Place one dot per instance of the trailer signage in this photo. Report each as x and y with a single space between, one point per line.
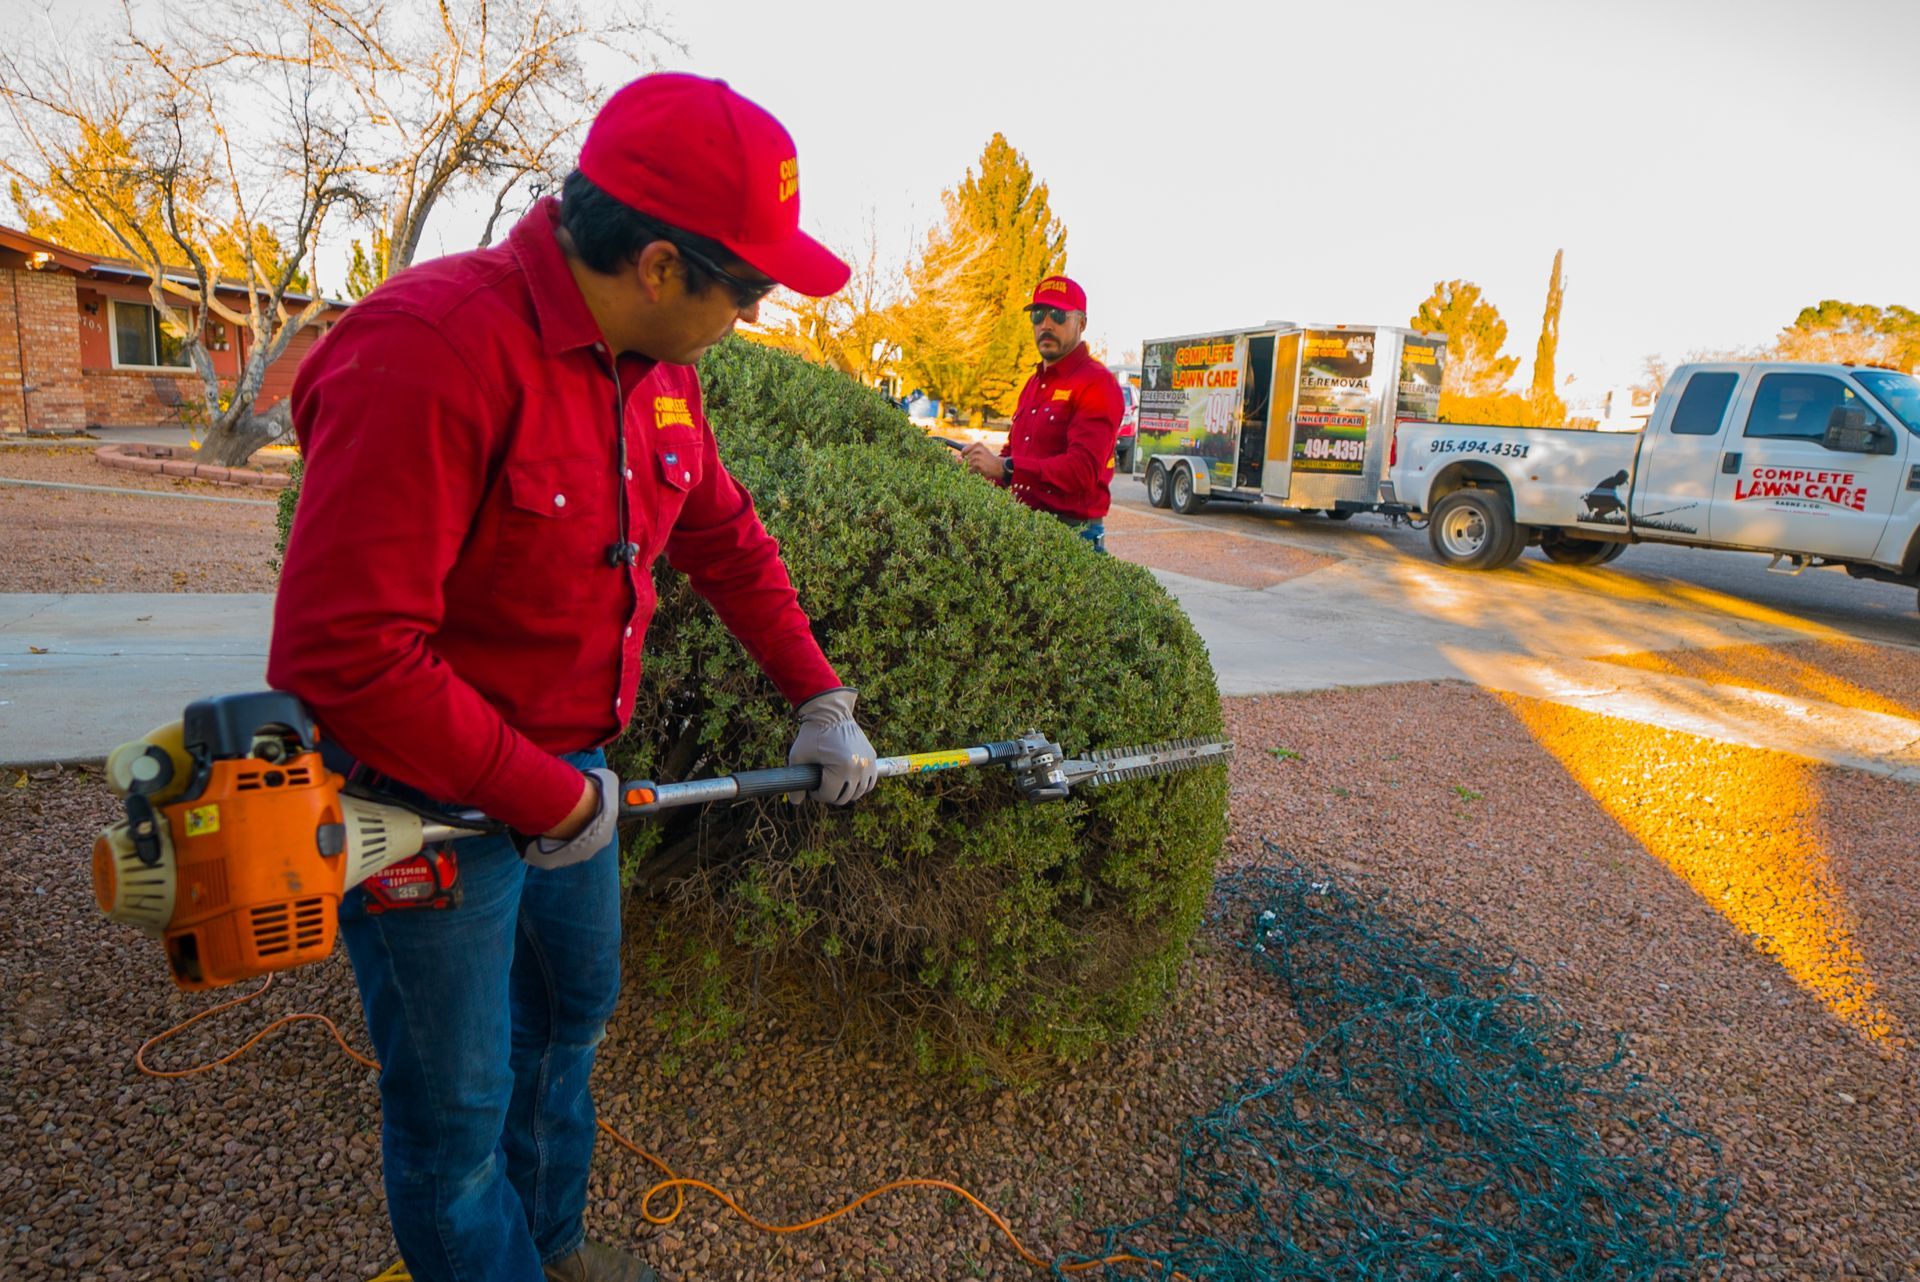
1335 403
1190 398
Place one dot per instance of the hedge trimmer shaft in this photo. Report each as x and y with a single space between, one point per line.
1041 771
239 840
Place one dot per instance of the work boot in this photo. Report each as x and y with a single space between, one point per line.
597 1262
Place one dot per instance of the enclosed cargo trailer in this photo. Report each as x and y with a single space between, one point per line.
1296 415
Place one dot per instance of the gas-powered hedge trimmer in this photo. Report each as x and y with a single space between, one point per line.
239 840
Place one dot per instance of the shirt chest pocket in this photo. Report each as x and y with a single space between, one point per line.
677 460
554 528
1046 424
672 465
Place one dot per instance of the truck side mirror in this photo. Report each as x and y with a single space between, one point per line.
1851 430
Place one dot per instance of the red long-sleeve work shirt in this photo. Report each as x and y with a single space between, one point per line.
1063 434
448 609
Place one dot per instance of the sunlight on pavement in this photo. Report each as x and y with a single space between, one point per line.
1628 588
1462 597
1761 667
1742 827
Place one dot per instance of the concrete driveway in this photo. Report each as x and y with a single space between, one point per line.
1354 603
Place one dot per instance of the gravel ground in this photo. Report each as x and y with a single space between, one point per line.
1611 855
74 541
1215 555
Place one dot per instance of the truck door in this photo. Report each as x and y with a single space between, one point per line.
1782 484
1256 401
1276 474
1680 458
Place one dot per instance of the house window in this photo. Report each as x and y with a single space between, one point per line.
141 338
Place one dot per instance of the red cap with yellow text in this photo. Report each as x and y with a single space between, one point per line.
696 155
1058 291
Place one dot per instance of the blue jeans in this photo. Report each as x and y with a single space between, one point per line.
1093 531
485 1018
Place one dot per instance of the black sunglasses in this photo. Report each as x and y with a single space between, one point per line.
1058 315
745 292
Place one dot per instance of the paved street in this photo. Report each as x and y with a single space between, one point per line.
1826 598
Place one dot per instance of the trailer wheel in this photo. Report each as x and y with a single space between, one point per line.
1474 530
1158 492
1338 514
1185 501
1564 550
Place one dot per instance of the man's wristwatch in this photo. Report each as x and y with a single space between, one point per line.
1006 471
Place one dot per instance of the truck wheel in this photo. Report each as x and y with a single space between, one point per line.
1185 501
1158 492
1474 530
1338 514
1563 550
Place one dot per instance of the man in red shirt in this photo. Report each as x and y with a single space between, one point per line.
498 445
1059 455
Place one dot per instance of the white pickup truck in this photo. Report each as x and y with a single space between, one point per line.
1817 464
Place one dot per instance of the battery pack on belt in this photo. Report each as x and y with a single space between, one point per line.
431 879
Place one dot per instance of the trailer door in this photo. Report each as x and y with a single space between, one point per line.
1256 397
1276 474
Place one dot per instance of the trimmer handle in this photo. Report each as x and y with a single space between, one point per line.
645 797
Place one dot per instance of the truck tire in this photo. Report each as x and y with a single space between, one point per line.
1563 549
1159 493
1474 530
1337 514
1185 501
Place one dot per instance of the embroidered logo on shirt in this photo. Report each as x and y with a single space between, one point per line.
671 411
1064 394
789 177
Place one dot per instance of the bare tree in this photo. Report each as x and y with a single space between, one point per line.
239 116
206 146
462 95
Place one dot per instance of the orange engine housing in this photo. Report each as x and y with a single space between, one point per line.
260 866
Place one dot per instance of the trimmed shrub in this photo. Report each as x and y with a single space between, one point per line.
974 928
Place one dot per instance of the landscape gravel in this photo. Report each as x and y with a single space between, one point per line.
80 541
268 1168
1218 556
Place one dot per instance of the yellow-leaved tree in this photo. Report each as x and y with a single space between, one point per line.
962 333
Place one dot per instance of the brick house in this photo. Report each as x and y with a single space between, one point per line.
81 344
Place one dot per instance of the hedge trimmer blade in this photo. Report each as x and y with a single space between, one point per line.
1144 761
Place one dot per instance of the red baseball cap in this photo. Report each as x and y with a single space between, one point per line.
1056 291
696 155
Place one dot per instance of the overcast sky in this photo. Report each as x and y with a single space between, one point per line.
1709 167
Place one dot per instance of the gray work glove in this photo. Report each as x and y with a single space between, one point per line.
830 738
553 852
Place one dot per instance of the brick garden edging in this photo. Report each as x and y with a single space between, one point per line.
170 460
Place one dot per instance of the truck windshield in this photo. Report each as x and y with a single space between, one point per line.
1900 393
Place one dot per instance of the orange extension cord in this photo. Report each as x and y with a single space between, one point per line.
677 1183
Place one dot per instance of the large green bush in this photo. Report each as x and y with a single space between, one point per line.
971 929
981 929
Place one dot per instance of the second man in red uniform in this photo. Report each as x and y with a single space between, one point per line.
1059 454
